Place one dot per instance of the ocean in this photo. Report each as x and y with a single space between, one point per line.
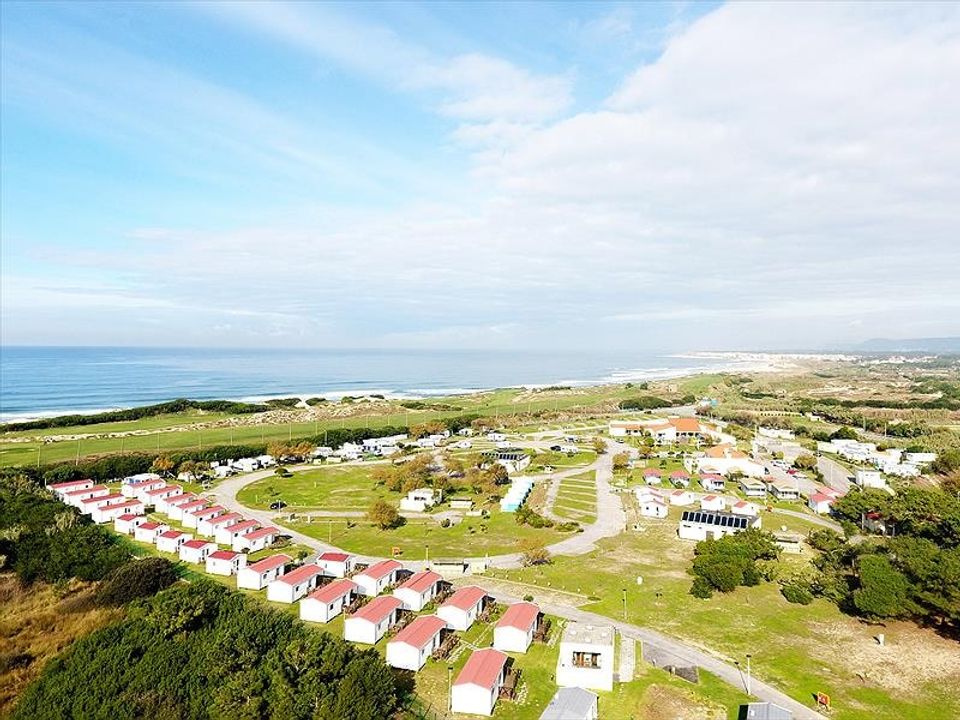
43 381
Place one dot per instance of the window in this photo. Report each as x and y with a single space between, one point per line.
586 660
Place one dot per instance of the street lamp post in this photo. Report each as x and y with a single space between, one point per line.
749 683
450 688
624 603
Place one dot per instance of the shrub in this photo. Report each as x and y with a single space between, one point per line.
797 594
701 588
136 579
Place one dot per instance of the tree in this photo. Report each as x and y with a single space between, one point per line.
383 515
844 433
533 553
621 461
140 578
599 446
805 462
162 465
883 588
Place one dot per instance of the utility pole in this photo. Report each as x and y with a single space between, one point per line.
449 688
624 604
749 683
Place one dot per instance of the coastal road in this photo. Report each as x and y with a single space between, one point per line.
669 650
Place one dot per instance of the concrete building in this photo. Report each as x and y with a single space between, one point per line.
291 586
125 524
410 648
653 507
681 498
171 506
62 488
477 687
378 577
417 590
869 479
515 629
742 507
255 540
572 703
702 524
586 657
463 607
193 518
225 562
371 622
325 603
263 572
226 534
147 532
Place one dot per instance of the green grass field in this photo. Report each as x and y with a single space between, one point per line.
325 488
577 498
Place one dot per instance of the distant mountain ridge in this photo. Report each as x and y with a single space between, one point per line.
941 344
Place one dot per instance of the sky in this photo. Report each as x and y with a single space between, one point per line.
680 176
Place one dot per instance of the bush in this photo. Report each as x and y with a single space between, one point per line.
644 402
137 579
445 523
701 588
797 594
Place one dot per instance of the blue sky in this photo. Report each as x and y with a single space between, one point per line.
668 176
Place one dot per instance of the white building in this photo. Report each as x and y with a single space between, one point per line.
225 562
477 687
713 483
192 519
572 703
133 489
263 572
419 589
462 608
179 512
147 532
869 479
724 460
90 504
291 586
702 524
335 564
325 603
420 499
712 502
681 498
783 490
196 551
410 648
110 513
169 505
514 631
208 526
653 507
226 534
127 523
152 497
586 657
371 622
751 487
256 540
378 577
742 507
820 503
76 497
62 488
171 540
513 459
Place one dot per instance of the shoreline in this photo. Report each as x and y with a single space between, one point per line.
737 361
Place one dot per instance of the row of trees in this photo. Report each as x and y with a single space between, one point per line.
742 559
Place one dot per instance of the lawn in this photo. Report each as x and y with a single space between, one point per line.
327 488
472 537
560 460
577 498
800 649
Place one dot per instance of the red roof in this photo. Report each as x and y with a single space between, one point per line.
127 517
162 490
193 504
820 497
334 557
196 544
381 569
270 563
182 499
521 615
150 526
651 472
128 504
482 669
74 493
68 483
336 589
710 498
685 424
741 503
679 474
418 582
211 509
243 525
466 598
262 532
378 608
223 555
111 496
304 572
171 534
421 631
220 519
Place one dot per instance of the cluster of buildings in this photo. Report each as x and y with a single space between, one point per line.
724 459
513 459
664 432
891 461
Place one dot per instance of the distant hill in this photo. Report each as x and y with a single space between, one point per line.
940 345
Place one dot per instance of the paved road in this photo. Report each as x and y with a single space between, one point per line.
834 474
683 654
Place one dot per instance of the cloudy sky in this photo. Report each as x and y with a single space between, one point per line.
670 176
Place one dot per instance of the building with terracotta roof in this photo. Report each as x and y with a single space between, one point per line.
109 513
477 687
743 507
712 502
179 512
167 505
192 518
138 487
256 540
516 627
171 540
153 496
291 586
419 589
128 522
681 498
258 575
226 534
410 648
713 483
225 562
335 564
325 603
196 551
373 620
147 532
378 577
820 503
726 459
653 507
462 608
208 526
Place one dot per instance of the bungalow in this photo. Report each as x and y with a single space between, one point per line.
151 497
90 504
513 459
586 656
377 578
181 512
653 507
256 540
783 490
572 703
687 428
420 499
192 518
652 476
225 562
820 503
703 524
335 564
681 498
514 631
661 431
226 534
462 608
196 551
419 589
109 513
61 488
133 489
291 586
742 507
326 603
477 687
712 502
680 479
208 527
411 647
125 524
140 476
76 497
171 540
172 505
753 488
713 483
726 459
869 479
147 532
372 621
261 573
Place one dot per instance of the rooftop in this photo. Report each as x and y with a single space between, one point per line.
223 555
521 615
466 597
329 593
482 669
421 581
570 703
421 631
334 557
715 517
261 533
577 632
196 544
378 608
304 572
270 563
381 569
